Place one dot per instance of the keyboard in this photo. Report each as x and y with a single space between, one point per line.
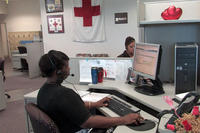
119 107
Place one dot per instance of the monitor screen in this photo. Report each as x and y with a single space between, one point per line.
146 59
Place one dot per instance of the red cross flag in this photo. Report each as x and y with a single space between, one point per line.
88 23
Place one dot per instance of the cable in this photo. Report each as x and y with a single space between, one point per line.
73 87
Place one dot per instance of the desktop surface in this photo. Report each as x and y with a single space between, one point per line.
129 91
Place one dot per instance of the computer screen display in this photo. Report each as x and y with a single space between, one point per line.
146 59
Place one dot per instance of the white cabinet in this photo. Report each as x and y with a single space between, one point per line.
2 93
150 12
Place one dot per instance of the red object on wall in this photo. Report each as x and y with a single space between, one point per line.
87 11
171 13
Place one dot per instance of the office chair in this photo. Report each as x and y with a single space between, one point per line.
22 50
40 121
3 72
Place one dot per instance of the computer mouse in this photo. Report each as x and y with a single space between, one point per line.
138 124
142 126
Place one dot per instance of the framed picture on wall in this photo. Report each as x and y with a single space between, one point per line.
55 24
54 6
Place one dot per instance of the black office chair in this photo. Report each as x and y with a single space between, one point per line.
3 72
22 50
40 121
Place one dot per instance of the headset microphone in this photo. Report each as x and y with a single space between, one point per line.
72 75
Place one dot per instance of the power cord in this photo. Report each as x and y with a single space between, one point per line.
73 87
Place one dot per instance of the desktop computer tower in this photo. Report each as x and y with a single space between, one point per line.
186 63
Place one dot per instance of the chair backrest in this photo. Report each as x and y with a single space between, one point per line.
22 49
2 68
40 121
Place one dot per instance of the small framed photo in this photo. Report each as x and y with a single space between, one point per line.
55 24
132 78
54 6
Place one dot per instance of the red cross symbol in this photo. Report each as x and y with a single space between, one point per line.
87 11
55 24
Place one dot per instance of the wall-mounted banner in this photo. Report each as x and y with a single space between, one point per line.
88 24
121 18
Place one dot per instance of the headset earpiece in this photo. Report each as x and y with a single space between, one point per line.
59 72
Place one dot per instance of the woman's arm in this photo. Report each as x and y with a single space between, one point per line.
106 122
100 103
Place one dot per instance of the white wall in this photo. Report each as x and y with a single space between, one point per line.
23 15
115 33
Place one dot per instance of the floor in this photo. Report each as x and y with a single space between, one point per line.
15 94
12 118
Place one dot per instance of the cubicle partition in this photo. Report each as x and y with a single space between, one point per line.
114 68
34 51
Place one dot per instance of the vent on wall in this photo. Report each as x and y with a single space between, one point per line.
3 7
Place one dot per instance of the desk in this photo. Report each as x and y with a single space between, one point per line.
154 102
128 90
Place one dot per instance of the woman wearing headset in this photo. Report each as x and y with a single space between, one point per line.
66 107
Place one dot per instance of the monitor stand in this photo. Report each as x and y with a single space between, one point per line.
151 90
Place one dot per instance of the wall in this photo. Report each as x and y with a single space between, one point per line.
23 15
115 33
167 35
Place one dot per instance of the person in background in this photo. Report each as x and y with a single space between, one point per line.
65 106
129 45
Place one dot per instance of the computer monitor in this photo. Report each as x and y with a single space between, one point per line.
114 68
147 63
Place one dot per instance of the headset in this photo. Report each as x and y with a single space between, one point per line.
53 66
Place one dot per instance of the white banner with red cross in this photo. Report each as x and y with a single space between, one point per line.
88 24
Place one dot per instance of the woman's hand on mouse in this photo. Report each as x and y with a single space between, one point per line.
132 118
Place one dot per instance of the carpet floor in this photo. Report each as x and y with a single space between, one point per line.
12 119
22 82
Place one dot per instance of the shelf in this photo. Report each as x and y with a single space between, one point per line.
143 23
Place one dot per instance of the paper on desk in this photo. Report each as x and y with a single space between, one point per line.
94 97
182 95
83 93
122 69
